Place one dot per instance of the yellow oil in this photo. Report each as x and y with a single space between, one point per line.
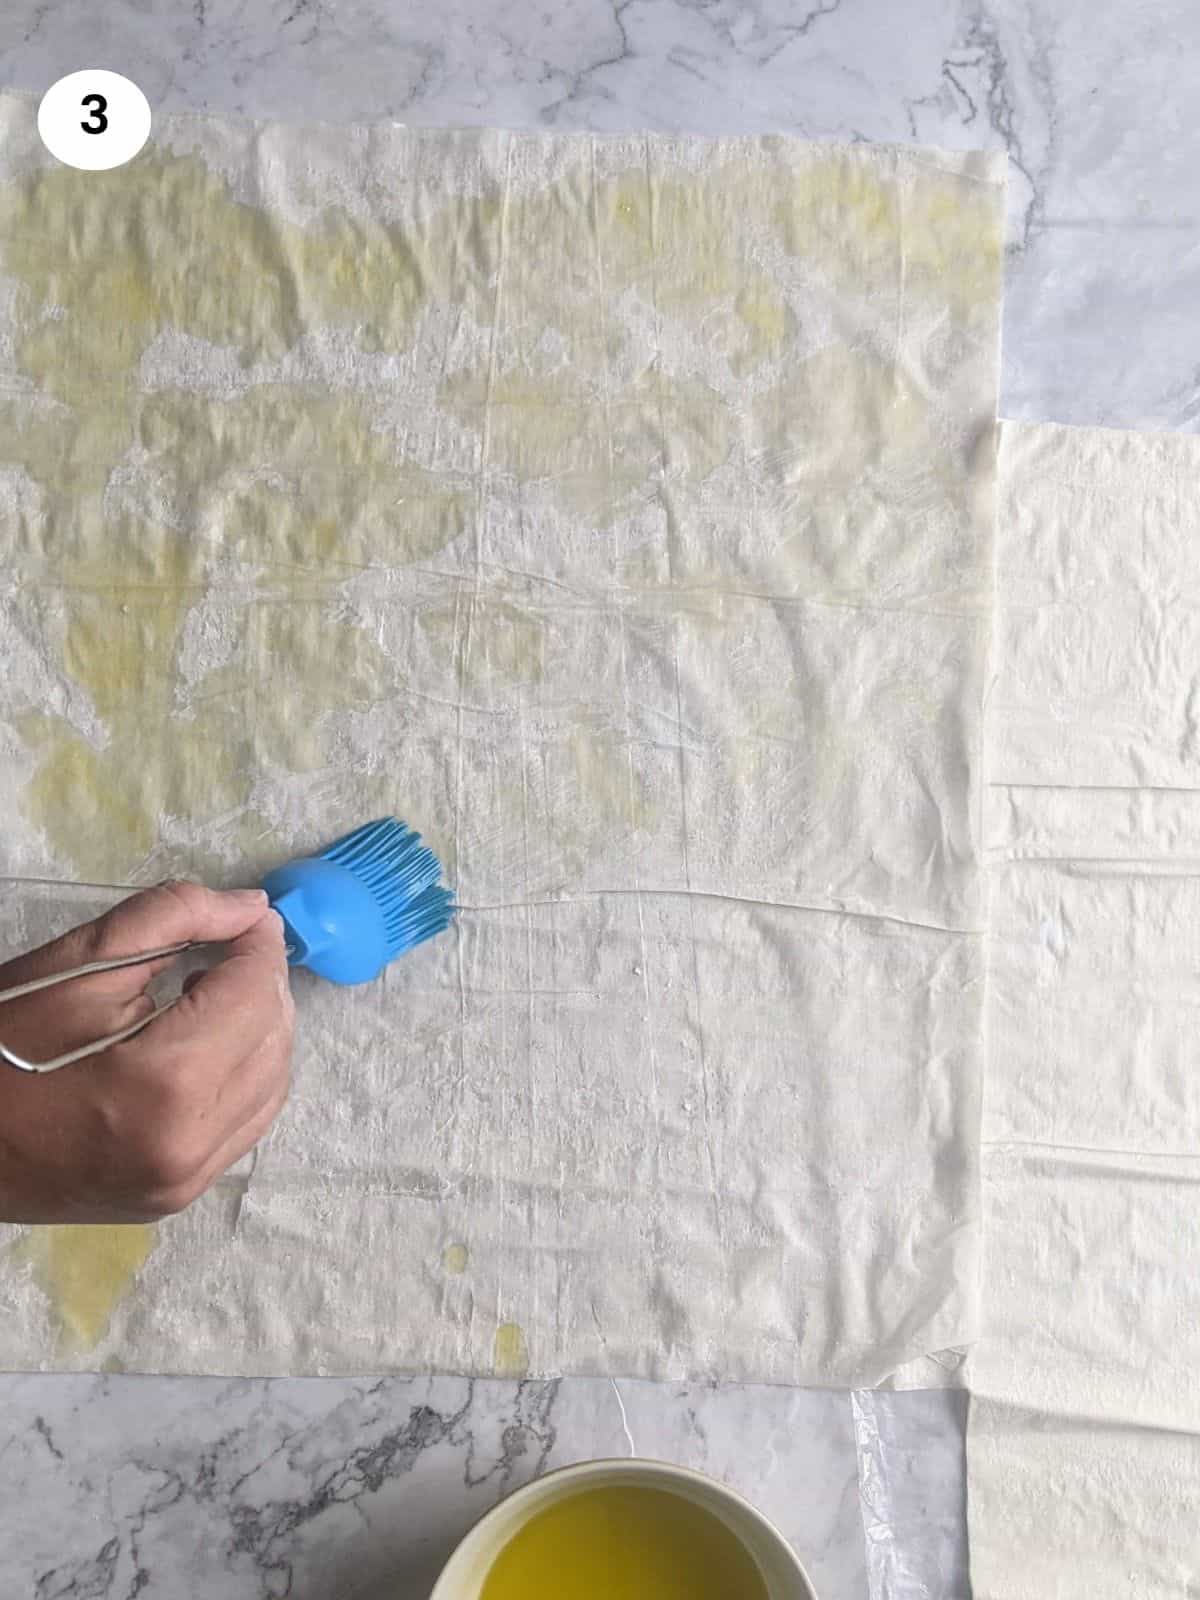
86 1270
624 1544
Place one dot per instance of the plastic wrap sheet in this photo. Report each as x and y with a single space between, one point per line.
1084 1437
910 1486
619 512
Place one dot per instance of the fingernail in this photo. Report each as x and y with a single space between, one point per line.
256 897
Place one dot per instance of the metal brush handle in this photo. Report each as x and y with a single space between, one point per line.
85 971
346 913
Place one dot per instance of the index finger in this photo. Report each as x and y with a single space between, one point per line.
229 1010
179 913
173 913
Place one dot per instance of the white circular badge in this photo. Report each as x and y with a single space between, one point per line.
94 120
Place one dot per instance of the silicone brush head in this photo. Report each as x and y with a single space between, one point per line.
361 903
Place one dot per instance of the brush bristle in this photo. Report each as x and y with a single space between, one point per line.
402 874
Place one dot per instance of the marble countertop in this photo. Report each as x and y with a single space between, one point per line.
326 1488
116 1487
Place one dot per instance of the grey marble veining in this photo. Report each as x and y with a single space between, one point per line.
122 1487
324 1488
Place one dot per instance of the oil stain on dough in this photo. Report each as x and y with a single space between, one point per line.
454 1259
293 481
128 258
553 425
851 221
85 1271
505 644
510 1355
142 492
586 406
566 806
102 807
149 497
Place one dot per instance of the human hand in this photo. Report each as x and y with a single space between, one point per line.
144 1128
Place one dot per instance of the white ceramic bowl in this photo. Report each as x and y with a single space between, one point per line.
462 1577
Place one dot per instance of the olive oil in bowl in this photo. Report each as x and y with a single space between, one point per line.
618 1542
624 1530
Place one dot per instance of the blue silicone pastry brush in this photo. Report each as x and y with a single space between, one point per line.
346 913
361 903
